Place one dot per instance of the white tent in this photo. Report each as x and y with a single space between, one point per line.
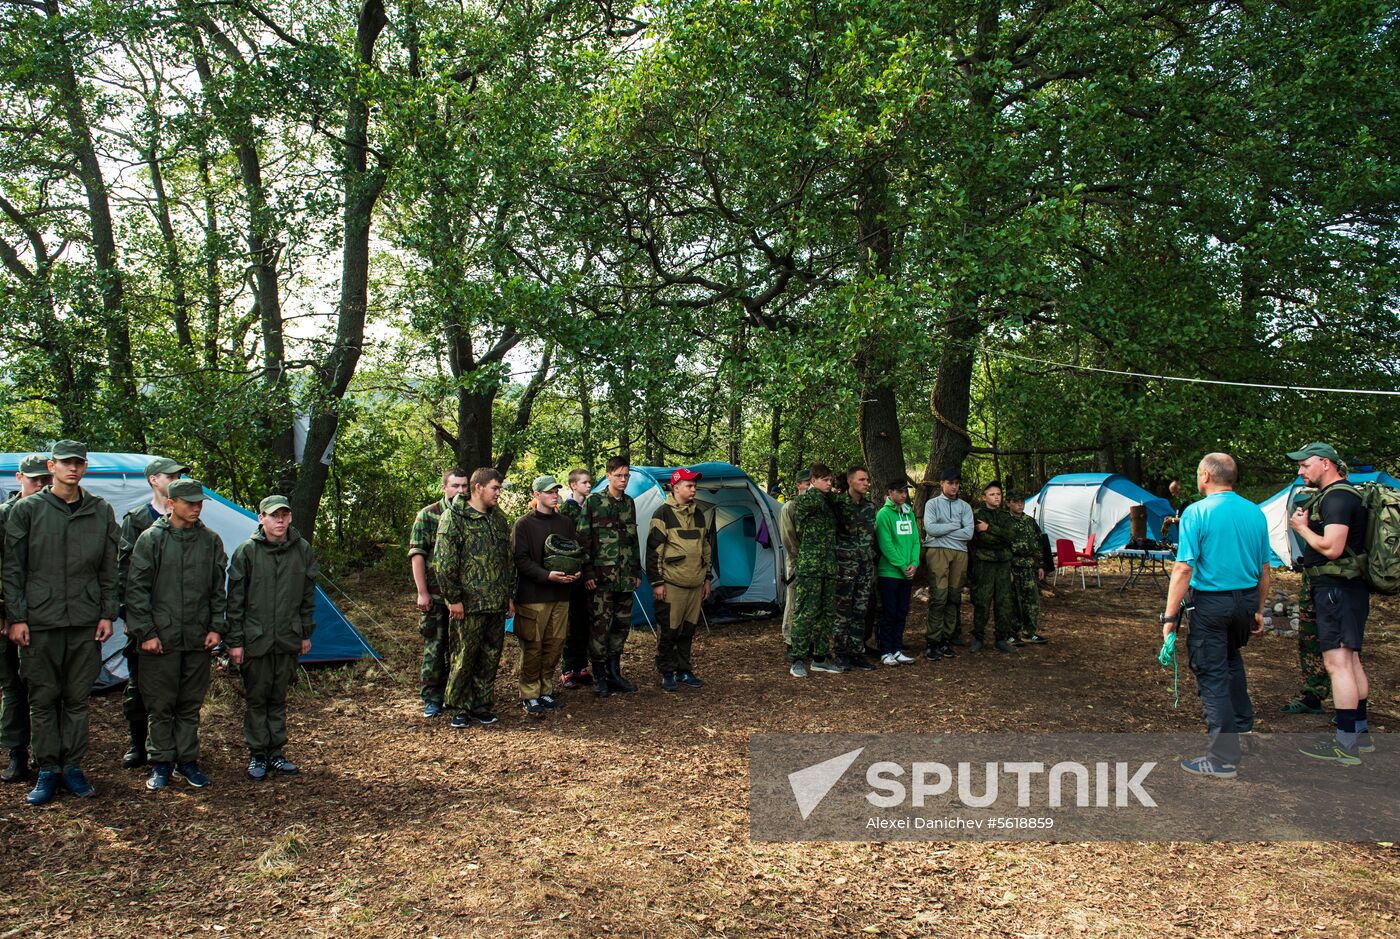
1276 510
1074 506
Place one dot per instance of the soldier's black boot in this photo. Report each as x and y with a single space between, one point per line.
615 675
136 754
600 680
18 768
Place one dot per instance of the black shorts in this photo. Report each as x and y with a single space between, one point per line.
1341 611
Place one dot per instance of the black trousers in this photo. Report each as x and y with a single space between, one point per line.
1220 622
580 625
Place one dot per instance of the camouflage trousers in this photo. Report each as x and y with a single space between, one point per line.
14 699
432 674
991 587
611 613
1025 598
854 585
813 616
476 642
1316 683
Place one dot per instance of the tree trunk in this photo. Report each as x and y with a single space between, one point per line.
585 405
213 295
775 440
523 411
361 188
881 439
174 271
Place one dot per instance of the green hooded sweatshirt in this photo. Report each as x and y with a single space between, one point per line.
60 565
271 594
175 586
896 539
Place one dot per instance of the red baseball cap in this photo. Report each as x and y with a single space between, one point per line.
683 474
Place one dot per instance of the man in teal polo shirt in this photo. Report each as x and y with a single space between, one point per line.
1223 556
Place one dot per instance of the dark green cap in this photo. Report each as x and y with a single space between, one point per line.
545 484
272 504
69 450
34 465
1014 496
1316 448
804 475
191 490
163 464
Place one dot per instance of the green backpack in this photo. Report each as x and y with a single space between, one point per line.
561 554
1379 564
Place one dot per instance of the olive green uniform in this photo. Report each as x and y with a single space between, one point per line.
432 625
134 524
680 552
271 610
1026 560
14 697
990 554
607 529
475 568
60 578
175 593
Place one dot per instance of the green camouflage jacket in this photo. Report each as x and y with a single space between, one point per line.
423 538
475 565
60 566
855 536
815 514
570 509
994 544
271 594
607 528
1025 543
175 586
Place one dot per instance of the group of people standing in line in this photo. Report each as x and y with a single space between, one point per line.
70 571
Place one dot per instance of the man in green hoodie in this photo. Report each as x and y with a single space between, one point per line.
33 475
271 615
175 604
897 540
160 473
476 571
61 598
680 552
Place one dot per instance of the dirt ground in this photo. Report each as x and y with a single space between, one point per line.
628 817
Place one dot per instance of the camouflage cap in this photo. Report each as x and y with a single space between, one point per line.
804 475
34 465
163 464
1013 496
545 484
190 490
272 504
69 450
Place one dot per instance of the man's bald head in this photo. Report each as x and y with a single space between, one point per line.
1220 468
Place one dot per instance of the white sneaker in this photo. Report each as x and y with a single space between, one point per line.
904 659
889 659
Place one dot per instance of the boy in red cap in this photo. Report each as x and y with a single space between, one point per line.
680 553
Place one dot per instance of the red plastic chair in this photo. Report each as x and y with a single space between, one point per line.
1067 558
1088 551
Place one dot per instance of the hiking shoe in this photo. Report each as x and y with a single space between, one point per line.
77 783
827 665
947 651
1004 645
549 701
798 669
462 720
257 768
690 678
45 788
668 681
532 707
1036 638
889 659
1330 748
1205 766
1299 706
903 659
860 663
484 717
976 646
159 778
1364 743
134 756
190 773
432 708
18 768
282 765
933 653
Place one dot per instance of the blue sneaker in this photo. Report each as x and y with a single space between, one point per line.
190 773
282 765
432 708
1205 766
159 778
77 783
45 788
257 768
